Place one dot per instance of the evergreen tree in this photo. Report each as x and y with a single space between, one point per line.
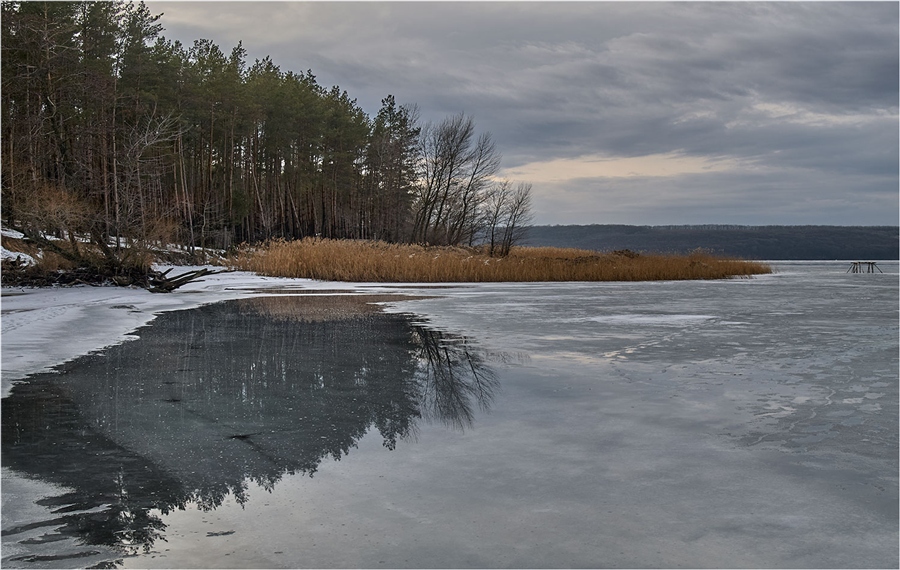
139 139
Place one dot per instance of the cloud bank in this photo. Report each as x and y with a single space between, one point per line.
621 112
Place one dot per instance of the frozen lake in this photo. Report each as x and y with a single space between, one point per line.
741 423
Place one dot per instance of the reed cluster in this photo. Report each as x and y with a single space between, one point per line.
373 261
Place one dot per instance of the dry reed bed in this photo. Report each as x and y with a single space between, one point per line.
368 261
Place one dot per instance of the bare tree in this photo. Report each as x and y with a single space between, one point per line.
140 166
483 163
518 216
455 175
493 215
506 216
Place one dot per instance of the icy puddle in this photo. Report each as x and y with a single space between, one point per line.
748 423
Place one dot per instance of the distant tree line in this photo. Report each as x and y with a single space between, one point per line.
749 242
109 128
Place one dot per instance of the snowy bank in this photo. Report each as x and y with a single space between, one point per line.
16 256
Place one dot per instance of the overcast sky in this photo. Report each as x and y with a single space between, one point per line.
621 112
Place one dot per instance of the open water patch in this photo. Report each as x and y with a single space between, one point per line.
210 400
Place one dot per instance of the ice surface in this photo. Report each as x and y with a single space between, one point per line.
659 319
740 423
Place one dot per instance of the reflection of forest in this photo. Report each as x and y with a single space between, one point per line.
210 398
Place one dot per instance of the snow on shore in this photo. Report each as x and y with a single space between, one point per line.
16 256
44 327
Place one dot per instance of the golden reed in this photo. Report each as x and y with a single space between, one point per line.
373 261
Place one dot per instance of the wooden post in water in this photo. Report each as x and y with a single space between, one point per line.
864 267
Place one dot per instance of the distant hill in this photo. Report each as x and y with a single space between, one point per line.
748 242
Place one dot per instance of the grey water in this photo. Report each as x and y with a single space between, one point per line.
737 423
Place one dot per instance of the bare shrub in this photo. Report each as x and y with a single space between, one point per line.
55 210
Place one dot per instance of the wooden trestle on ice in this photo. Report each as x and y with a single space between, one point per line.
864 267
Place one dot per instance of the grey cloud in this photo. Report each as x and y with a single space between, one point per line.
557 80
769 196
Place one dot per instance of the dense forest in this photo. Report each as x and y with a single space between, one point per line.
111 130
748 242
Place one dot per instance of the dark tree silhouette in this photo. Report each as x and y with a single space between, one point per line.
112 132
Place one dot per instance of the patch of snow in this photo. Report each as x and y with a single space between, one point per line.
11 233
13 255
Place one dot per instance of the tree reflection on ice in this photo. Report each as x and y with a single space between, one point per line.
210 398
447 383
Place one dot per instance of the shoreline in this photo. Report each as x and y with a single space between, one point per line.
45 327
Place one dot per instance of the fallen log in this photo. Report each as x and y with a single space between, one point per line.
160 282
